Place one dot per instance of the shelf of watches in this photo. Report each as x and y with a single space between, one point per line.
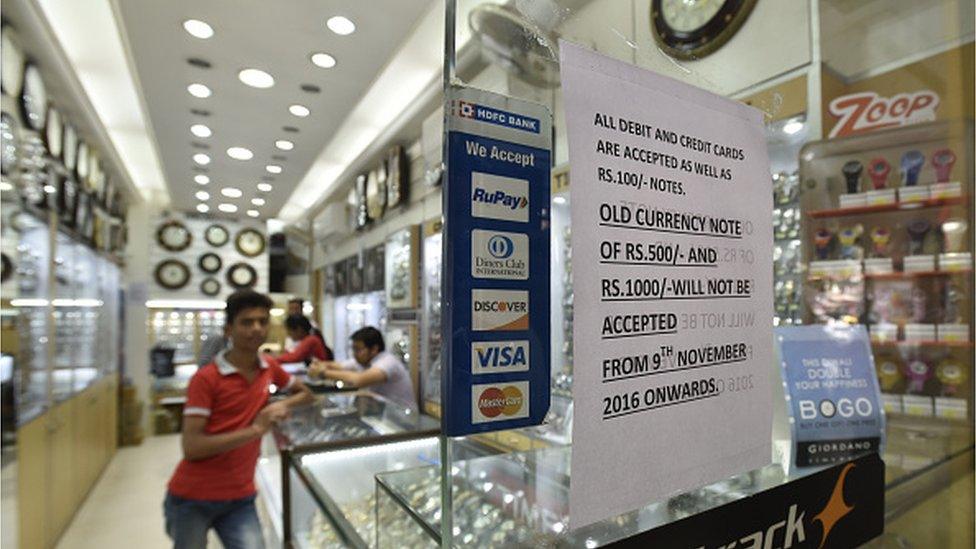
948 334
863 204
914 266
914 405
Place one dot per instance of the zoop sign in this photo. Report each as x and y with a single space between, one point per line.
867 111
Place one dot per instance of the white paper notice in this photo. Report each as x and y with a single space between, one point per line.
672 246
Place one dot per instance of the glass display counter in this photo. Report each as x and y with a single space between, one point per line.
334 422
522 499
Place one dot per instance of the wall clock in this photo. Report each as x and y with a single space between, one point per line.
174 236
692 29
11 65
54 132
70 146
216 235
210 263
250 242
210 286
172 274
376 193
241 276
33 100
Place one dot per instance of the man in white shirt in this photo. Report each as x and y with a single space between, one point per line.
372 367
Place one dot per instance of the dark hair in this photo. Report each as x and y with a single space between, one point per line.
370 337
298 300
245 299
298 322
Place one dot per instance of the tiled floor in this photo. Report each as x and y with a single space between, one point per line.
125 507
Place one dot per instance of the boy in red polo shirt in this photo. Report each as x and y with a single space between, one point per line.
225 416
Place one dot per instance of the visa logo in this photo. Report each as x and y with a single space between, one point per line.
500 197
492 357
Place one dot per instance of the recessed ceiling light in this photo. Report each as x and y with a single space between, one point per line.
341 25
229 208
240 153
200 130
299 110
324 60
202 195
253 213
201 179
257 201
199 90
199 29
201 159
272 168
203 208
231 192
256 78
50 189
284 144
265 187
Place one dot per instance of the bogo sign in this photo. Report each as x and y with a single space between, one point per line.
867 111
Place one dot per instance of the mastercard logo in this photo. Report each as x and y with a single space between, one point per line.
494 402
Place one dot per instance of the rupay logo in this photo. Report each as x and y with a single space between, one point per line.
499 197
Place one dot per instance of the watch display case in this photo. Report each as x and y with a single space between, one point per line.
185 331
887 217
402 268
373 268
430 365
333 423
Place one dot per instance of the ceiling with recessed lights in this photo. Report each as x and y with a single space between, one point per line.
242 95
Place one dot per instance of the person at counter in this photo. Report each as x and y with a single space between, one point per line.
295 307
225 416
310 344
373 367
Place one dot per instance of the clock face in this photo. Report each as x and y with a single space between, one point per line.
11 64
691 29
34 98
81 166
53 134
250 243
172 274
216 235
242 275
210 286
376 193
70 146
210 263
174 236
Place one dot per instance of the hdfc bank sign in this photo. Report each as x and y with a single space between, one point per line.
491 402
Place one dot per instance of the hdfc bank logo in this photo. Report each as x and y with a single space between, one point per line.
466 109
499 402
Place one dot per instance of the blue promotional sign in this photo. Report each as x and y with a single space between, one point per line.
495 313
832 393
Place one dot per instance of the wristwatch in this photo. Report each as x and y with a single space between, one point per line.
821 242
852 174
880 237
911 165
917 372
878 170
951 375
916 233
942 161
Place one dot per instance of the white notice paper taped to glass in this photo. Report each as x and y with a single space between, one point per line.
672 245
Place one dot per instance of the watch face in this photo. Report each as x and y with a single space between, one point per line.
81 166
53 133
10 143
376 193
250 242
691 29
210 286
172 274
11 64
210 263
216 235
174 236
33 100
70 148
242 275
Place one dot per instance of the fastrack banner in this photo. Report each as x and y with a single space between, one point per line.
672 245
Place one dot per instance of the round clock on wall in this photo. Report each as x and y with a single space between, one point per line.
54 132
241 276
250 242
33 99
174 236
210 286
210 263
216 235
172 274
11 65
692 29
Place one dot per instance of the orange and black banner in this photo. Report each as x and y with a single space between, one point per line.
842 506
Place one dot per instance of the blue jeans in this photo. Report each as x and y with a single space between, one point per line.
236 522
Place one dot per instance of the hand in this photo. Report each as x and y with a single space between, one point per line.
317 368
278 410
263 422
